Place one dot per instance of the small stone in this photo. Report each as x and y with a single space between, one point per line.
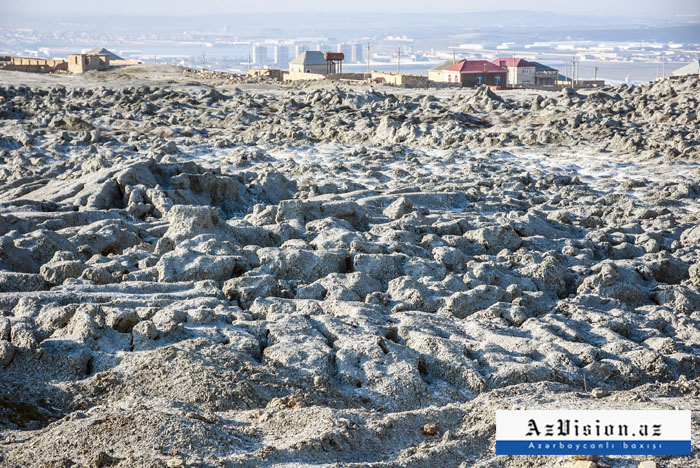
431 429
599 392
584 464
175 463
647 464
101 459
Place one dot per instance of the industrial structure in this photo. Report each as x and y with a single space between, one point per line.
334 62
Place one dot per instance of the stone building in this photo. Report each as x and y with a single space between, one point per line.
33 65
309 61
80 63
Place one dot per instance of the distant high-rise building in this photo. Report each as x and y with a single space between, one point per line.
345 49
281 55
298 49
259 54
355 53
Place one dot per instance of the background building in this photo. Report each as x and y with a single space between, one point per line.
281 55
345 49
355 53
259 56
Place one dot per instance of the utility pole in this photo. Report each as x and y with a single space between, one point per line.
595 74
368 55
249 59
664 68
454 57
573 72
398 63
202 61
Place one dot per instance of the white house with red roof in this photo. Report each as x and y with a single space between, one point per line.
475 73
520 71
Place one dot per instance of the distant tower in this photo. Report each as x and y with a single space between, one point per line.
281 55
259 54
298 49
356 53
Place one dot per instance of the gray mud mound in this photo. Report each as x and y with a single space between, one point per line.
344 276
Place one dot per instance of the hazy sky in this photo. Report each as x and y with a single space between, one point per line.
636 8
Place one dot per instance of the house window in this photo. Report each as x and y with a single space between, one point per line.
503 63
308 71
497 80
480 79
449 78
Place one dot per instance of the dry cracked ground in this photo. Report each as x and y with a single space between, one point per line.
198 275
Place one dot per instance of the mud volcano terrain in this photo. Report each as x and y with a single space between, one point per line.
203 276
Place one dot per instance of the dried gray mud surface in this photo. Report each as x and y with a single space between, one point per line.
202 276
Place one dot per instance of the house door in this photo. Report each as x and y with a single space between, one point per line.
497 80
480 79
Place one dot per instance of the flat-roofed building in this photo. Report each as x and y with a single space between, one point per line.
80 63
